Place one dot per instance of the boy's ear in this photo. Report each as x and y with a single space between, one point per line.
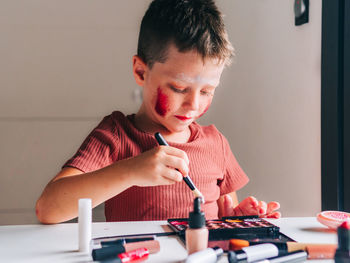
139 69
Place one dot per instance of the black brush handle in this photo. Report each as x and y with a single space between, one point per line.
161 141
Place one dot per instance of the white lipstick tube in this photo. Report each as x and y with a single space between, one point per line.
85 222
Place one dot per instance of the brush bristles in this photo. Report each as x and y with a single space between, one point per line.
196 193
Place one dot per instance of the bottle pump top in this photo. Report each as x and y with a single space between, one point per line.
196 217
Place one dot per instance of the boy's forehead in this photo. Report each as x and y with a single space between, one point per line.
183 78
189 68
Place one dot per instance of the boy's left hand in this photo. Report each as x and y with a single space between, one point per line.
251 206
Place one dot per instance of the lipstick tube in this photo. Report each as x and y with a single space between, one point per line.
253 253
292 257
137 255
113 251
104 242
342 255
314 251
209 255
85 224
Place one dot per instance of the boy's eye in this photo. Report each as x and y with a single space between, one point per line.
207 93
177 90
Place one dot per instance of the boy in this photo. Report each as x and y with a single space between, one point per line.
182 50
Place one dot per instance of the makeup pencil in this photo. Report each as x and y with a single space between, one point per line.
314 251
187 178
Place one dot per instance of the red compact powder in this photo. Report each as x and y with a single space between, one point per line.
162 103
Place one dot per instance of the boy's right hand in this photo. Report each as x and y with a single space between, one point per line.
162 165
251 206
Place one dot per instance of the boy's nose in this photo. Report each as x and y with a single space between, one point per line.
192 101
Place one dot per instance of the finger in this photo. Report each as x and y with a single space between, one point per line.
262 208
275 215
228 206
272 206
164 181
176 163
249 206
172 175
250 201
176 152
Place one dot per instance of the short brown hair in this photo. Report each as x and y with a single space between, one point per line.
189 24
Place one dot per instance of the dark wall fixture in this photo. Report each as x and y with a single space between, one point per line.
301 12
335 105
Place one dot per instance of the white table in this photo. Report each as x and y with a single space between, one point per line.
59 243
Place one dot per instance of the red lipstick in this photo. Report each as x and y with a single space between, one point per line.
183 118
137 255
342 255
141 249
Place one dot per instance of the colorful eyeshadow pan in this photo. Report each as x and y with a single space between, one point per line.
254 223
222 230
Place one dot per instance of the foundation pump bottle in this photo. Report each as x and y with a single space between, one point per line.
196 233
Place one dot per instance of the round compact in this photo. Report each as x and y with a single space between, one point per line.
332 219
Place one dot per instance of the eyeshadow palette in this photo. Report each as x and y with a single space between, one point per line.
250 228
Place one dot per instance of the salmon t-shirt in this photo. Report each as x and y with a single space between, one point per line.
213 169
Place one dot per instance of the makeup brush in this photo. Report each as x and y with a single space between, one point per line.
314 251
187 178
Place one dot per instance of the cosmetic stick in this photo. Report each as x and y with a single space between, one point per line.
161 141
253 253
84 222
123 241
314 251
292 257
209 255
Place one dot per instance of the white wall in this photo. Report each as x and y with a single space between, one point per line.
270 102
66 64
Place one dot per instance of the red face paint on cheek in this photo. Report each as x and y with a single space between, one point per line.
206 109
162 103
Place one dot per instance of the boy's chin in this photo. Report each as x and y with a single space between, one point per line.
178 128
174 125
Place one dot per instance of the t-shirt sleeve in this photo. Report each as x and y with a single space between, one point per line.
97 149
234 177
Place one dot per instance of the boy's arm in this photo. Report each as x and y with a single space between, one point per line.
59 200
229 206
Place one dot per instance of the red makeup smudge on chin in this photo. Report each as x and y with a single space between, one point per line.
206 109
162 103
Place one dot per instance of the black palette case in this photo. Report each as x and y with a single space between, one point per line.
251 228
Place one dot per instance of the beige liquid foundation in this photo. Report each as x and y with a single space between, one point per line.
196 233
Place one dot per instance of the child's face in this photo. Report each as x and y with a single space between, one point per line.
179 91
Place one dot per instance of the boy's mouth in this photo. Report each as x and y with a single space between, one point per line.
183 118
